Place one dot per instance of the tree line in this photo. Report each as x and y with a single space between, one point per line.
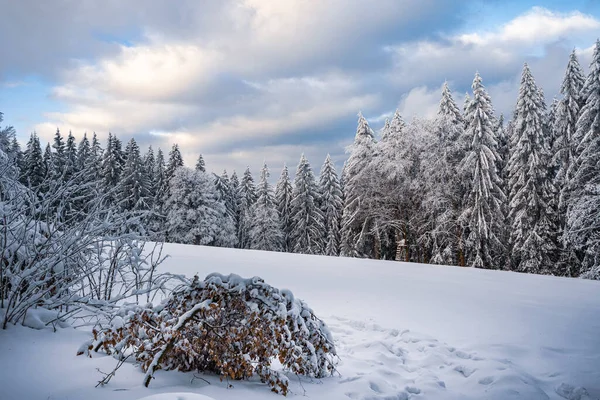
464 188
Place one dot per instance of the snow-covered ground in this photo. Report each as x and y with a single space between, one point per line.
403 331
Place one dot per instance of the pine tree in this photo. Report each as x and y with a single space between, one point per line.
47 160
283 198
194 213
70 157
531 194
84 151
307 219
135 183
94 162
156 223
200 165
483 207
111 169
448 189
175 161
226 195
16 154
246 199
34 170
565 127
58 157
234 184
265 230
583 225
149 162
332 205
160 179
354 235
503 153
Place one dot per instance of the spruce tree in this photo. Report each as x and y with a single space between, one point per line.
226 195
448 189
565 127
70 157
246 199
533 232
582 224
135 183
175 161
16 154
34 171
149 162
354 239
200 165
58 157
47 160
307 219
330 193
283 198
84 151
265 230
111 164
160 178
483 207
94 162
234 183
195 215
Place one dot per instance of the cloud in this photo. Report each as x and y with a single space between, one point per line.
536 26
420 102
229 78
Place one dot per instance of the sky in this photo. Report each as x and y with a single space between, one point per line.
247 81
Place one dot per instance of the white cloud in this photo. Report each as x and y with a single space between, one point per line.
535 27
272 69
421 102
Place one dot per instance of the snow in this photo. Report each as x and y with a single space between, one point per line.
177 396
402 331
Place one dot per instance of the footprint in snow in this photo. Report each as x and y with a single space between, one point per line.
486 381
464 371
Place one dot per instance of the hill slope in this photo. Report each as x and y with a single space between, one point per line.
402 330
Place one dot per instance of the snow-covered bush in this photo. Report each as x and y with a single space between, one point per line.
227 325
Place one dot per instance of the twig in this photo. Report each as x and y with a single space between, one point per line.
107 377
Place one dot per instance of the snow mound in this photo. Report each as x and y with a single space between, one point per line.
177 396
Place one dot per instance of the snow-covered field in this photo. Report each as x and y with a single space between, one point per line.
403 331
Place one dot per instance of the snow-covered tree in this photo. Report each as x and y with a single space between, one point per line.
195 215
446 193
200 164
332 205
84 151
47 160
93 165
112 167
483 212
283 198
234 184
34 171
226 195
582 232
307 219
149 162
355 231
565 127
135 183
175 161
246 199
265 230
532 228
58 156
70 157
